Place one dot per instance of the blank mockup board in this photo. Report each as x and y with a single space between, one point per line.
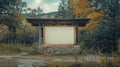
59 35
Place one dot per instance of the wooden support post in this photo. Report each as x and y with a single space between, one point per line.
40 35
77 33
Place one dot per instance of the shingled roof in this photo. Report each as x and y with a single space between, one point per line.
37 21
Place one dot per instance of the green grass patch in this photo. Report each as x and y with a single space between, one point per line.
14 49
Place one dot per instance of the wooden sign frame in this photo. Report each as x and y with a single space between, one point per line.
75 28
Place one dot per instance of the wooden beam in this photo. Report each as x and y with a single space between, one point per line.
48 45
40 35
36 21
43 34
75 35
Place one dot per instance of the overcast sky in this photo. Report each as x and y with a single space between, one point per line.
46 5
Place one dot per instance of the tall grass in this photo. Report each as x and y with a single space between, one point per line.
13 48
103 61
9 63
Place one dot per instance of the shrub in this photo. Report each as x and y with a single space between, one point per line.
26 35
105 38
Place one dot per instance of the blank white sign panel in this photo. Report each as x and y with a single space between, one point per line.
59 35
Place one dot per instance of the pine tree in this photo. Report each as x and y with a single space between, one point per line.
107 34
64 9
83 9
10 14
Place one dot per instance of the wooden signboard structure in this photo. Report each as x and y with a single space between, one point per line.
58 32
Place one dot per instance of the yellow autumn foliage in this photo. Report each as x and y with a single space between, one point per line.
3 30
90 26
27 27
82 9
95 15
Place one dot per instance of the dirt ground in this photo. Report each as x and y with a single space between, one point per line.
40 61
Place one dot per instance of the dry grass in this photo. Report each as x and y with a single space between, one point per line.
104 61
85 64
14 49
119 48
9 63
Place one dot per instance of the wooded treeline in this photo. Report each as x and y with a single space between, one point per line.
14 27
102 33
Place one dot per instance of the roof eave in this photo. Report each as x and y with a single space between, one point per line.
37 21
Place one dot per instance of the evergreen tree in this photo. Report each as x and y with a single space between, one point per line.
10 14
107 34
10 6
64 9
